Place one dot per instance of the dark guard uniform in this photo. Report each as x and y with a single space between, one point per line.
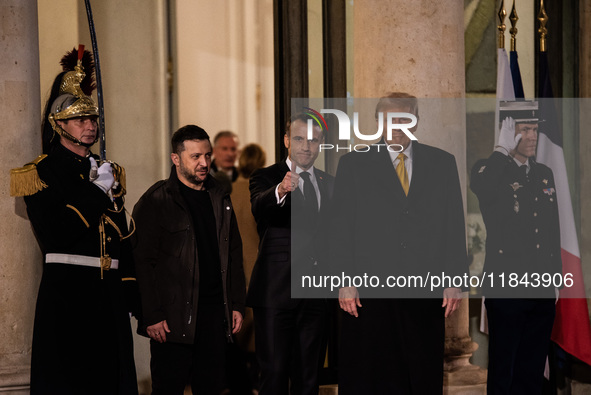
521 216
523 238
82 339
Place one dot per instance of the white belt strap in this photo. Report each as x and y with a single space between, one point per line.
80 260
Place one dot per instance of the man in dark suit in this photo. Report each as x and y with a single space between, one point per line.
287 200
518 202
225 152
397 212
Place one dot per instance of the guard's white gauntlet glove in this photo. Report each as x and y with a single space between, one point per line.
105 178
507 138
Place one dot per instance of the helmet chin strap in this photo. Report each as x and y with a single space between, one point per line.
73 139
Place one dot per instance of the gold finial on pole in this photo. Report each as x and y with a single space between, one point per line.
514 18
502 14
543 18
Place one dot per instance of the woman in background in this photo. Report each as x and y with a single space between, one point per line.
251 158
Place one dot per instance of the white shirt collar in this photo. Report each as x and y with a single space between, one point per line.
408 152
299 169
519 164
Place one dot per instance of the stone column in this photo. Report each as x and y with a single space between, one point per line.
418 47
20 142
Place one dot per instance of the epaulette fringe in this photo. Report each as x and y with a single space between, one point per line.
120 177
25 181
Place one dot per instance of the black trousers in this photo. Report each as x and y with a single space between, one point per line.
289 347
395 346
519 341
202 364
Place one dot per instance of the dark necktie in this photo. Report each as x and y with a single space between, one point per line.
523 169
311 201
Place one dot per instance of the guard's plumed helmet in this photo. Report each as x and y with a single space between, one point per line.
75 88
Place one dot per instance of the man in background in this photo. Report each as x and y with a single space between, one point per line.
225 152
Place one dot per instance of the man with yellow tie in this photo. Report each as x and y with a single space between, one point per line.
397 212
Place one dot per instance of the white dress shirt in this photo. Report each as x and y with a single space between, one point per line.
407 161
281 201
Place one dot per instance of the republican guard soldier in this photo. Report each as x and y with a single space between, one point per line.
517 199
82 339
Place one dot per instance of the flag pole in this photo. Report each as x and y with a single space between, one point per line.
543 18
514 18
502 14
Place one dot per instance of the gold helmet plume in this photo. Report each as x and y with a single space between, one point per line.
73 101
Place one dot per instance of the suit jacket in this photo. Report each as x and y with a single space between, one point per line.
521 218
379 231
284 244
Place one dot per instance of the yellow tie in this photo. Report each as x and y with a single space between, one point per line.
401 171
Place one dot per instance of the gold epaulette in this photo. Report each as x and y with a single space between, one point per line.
25 181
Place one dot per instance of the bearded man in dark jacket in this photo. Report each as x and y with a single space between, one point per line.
188 255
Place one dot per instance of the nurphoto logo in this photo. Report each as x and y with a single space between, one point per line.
402 121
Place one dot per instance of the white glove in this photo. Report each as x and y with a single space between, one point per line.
105 178
507 138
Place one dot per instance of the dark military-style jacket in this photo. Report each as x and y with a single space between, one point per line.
67 214
82 324
520 212
167 259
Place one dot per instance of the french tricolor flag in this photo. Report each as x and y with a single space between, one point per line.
505 89
572 331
